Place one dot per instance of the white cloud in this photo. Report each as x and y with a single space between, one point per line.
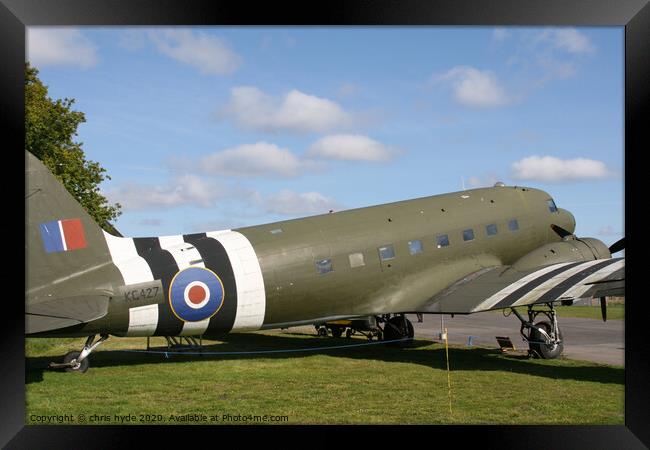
567 39
181 190
350 147
60 47
288 202
555 69
552 169
473 87
209 54
250 108
256 159
482 181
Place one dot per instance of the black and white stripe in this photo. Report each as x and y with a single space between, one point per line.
558 281
227 253
163 267
216 259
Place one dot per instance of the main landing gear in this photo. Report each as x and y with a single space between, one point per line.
78 361
397 328
544 337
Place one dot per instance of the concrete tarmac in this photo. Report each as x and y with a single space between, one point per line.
584 339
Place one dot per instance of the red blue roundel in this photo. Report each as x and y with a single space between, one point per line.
195 294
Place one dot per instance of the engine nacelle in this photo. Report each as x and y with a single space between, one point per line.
571 249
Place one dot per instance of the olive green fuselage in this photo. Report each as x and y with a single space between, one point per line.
307 268
297 292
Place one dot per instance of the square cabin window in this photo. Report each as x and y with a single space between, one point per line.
442 241
415 247
491 229
356 260
386 252
468 235
513 225
324 265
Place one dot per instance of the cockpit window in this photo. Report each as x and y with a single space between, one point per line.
551 205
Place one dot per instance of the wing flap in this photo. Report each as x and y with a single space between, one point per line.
503 287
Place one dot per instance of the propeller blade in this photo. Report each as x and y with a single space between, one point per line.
603 308
617 246
561 231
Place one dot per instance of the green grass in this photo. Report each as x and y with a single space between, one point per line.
614 311
362 385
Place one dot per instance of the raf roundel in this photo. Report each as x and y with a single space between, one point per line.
195 294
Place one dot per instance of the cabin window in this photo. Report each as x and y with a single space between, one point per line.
324 265
442 240
415 247
551 205
513 225
356 260
491 229
468 235
386 252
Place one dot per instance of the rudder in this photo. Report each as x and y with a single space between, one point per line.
66 251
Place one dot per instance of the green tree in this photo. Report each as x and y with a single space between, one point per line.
50 128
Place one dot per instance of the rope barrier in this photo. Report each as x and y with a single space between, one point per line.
295 350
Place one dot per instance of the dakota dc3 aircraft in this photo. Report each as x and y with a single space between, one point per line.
459 253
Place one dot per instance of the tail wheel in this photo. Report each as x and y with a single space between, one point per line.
543 350
81 367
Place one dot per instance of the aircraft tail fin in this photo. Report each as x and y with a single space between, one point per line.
66 250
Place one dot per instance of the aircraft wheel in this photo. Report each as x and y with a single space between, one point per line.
545 351
395 329
81 367
337 332
322 332
348 333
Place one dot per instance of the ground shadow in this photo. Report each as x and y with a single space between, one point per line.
295 345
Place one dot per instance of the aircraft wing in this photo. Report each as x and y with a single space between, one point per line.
500 287
61 312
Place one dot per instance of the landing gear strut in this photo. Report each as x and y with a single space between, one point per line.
78 361
397 327
544 338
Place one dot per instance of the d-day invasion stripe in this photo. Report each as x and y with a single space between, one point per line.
184 254
574 280
143 320
251 296
216 259
540 291
163 267
603 274
508 290
525 289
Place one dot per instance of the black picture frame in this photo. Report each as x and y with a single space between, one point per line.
15 15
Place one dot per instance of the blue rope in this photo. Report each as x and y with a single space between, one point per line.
167 353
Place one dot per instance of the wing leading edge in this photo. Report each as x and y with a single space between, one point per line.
502 287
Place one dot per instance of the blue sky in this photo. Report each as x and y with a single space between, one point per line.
206 128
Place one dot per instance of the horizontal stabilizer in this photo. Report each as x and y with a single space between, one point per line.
64 312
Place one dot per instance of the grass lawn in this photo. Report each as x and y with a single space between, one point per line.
373 384
614 311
